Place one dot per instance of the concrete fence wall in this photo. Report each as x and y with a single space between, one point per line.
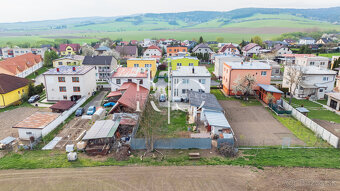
54 124
173 143
317 129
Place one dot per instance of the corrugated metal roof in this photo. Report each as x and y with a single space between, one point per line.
216 118
7 140
102 129
270 88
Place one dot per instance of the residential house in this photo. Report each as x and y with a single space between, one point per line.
265 90
22 65
12 89
103 65
149 64
69 49
337 85
183 61
134 42
220 60
276 51
36 125
287 59
130 74
101 50
153 51
276 69
334 58
70 82
173 50
1 56
229 49
307 41
234 71
313 82
324 41
318 61
251 49
185 78
16 51
289 41
70 60
127 52
333 101
202 49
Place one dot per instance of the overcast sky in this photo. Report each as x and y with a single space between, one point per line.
33 10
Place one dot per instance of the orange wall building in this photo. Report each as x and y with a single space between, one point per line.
269 89
173 50
237 70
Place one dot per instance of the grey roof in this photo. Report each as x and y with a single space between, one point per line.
270 88
302 110
181 57
103 48
97 60
210 102
102 129
194 71
202 45
307 38
127 50
68 70
7 140
249 65
216 118
52 143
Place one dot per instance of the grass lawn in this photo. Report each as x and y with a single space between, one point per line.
220 96
37 73
316 110
324 101
301 131
25 104
317 158
329 55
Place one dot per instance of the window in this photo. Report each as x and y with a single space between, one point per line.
129 80
200 90
202 81
60 63
184 91
61 79
23 91
185 81
325 78
176 92
320 90
303 78
191 64
141 81
263 73
136 65
75 79
64 97
322 63
76 89
62 89
117 81
179 64
312 63
18 92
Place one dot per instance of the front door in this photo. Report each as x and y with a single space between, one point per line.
333 104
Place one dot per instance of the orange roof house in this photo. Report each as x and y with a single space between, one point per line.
22 65
233 71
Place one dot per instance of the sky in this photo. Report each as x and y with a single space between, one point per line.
36 10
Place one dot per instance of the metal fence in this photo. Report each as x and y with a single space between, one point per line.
173 143
317 129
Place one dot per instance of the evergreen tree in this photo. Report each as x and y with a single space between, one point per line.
201 40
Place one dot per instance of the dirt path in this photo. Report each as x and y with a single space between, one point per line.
171 178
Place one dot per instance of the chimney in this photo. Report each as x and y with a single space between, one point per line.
57 69
73 68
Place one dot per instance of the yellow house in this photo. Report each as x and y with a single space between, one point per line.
183 61
69 49
147 63
12 89
74 60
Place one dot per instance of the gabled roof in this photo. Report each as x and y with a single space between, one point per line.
154 47
37 120
249 46
225 47
134 95
202 45
132 72
75 47
63 105
97 60
9 83
20 63
127 50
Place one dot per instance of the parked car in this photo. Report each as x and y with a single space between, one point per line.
79 111
162 98
91 110
109 104
33 99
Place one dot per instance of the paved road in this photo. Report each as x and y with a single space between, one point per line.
171 178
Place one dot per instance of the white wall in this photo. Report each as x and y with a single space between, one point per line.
193 85
25 134
219 62
115 86
310 61
152 52
203 50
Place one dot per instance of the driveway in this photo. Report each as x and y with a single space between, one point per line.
97 100
255 126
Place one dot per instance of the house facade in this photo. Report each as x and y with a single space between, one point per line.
149 64
12 89
153 51
13 52
21 66
103 65
202 49
69 49
130 74
307 41
173 50
232 71
313 82
70 82
72 60
333 101
229 49
251 49
219 61
318 61
189 78
183 61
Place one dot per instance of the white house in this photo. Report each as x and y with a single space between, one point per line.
251 49
103 65
307 41
70 82
130 74
13 52
220 60
185 78
318 61
153 51
311 81
202 48
229 49
280 50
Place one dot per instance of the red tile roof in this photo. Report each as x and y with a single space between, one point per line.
75 47
154 47
114 93
224 48
249 46
127 72
9 83
134 95
37 120
20 63
63 105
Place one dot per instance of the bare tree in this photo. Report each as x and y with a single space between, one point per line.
292 75
244 85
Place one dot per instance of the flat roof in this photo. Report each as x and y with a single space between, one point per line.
130 72
102 129
334 95
37 120
216 118
195 71
248 65
270 88
68 70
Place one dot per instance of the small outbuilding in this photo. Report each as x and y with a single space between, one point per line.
216 122
265 90
62 106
